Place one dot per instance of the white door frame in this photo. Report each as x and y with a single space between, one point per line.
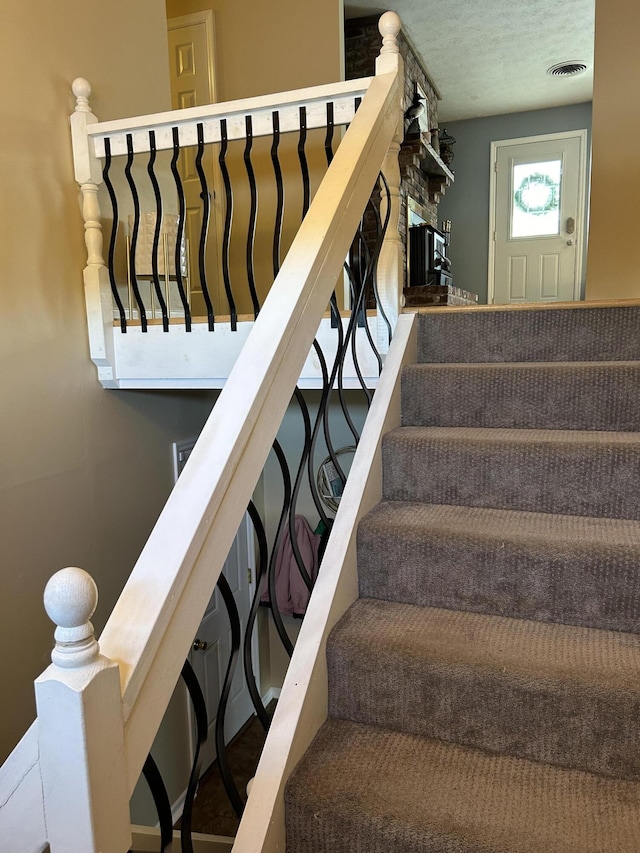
580 232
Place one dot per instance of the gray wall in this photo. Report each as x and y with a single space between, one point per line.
466 202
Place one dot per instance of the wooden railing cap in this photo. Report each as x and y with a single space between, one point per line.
70 599
389 27
81 88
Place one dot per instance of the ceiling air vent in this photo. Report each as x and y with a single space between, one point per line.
567 69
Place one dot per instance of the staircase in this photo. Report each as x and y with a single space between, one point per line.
484 690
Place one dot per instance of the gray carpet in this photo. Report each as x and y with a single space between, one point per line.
484 691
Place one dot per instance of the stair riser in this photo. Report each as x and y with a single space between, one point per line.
364 790
562 724
587 479
589 586
572 334
576 397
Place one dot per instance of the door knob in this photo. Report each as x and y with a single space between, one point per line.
199 645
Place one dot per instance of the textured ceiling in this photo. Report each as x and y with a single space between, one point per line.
489 58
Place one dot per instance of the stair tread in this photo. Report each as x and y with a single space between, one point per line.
559 395
434 797
573 569
547 530
582 332
516 436
527 649
561 694
518 366
574 472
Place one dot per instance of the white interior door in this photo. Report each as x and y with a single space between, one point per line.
537 221
213 638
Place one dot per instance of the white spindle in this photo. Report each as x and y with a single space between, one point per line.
88 174
391 261
87 170
80 728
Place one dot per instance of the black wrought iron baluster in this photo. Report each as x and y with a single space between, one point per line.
369 280
277 225
114 234
361 284
225 771
357 271
253 216
205 195
162 803
351 340
263 561
228 218
323 416
328 149
306 193
202 727
328 139
353 268
380 241
307 459
180 235
157 232
134 235
271 572
304 166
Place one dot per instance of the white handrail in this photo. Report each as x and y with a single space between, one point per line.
303 704
341 95
176 572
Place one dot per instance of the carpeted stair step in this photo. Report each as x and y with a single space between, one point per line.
581 333
362 788
553 693
557 568
579 395
563 471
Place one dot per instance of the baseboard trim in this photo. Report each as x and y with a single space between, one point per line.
146 838
271 694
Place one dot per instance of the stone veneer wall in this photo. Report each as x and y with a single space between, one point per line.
362 45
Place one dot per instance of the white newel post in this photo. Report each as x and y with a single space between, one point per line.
80 728
88 174
391 261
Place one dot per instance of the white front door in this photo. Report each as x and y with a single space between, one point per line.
537 218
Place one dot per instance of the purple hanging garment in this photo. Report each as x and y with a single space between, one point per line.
292 595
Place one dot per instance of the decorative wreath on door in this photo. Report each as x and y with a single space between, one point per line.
537 194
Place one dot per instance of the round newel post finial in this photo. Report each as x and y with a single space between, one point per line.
70 599
389 27
81 88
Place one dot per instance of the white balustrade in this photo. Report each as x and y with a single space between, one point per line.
80 728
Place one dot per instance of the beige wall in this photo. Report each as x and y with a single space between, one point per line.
613 265
83 471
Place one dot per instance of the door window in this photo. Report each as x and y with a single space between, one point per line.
535 202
